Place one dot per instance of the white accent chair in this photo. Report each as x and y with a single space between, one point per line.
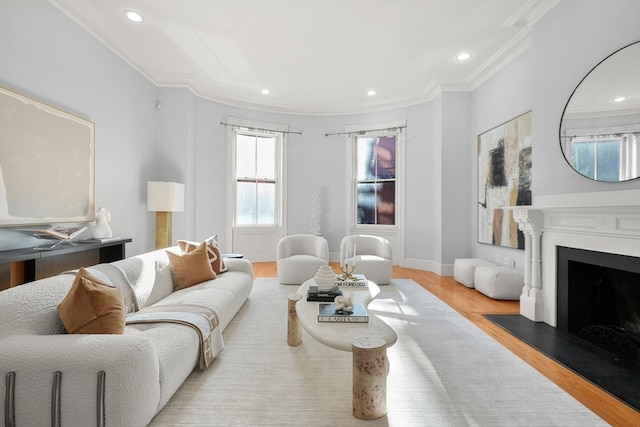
373 257
298 257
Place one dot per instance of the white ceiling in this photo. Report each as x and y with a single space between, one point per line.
315 56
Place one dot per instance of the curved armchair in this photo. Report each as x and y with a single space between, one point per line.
373 257
299 256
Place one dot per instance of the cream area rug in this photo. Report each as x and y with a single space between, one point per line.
444 371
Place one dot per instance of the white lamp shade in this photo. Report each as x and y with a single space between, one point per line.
165 196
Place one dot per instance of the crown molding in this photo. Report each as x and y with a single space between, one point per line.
524 18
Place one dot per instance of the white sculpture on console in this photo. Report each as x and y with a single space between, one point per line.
102 229
316 213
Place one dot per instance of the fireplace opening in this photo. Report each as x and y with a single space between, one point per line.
598 299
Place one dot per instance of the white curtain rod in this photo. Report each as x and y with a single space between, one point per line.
364 132
259 129
602 135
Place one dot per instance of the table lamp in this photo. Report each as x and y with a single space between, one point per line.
163 198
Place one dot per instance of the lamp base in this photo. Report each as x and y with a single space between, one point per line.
163 229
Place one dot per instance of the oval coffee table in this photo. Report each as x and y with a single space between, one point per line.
342 335
367 341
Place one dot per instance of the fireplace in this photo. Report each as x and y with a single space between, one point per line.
607 222
598 299
581 295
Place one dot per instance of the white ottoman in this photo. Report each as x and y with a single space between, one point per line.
464 270
499 282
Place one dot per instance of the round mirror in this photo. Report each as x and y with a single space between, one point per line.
600 126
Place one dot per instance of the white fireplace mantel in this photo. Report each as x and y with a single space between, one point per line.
598 221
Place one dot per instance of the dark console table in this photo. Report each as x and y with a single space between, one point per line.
19 266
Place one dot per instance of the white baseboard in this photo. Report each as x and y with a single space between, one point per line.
428 265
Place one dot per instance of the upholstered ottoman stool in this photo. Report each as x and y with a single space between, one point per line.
464 270
499 282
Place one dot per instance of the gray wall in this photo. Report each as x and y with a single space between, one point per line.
46 55
500 99
314 162
566 44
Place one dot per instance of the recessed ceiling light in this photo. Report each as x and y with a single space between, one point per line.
463 56
265 91
133 16
371 92
619 99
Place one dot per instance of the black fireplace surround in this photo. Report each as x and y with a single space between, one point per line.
598 321
598 299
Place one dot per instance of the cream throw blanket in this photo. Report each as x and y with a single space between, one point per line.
203 319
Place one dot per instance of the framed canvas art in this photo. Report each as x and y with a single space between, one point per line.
46 163
504 179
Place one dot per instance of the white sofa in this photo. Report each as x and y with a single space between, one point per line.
142 368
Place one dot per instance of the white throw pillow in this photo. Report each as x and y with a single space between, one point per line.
162 285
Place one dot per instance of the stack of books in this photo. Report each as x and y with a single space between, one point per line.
327 313
359 281
100 240
314 294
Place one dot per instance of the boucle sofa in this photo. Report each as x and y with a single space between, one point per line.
58 375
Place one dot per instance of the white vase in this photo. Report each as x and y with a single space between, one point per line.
325 278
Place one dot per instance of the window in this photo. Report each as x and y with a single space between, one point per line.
374 197
376 180
256 178
257 187
605 157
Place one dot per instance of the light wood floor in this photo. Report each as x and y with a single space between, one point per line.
473 305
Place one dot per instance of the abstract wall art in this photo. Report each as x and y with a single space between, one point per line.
504 179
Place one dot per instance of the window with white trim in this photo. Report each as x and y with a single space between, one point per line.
605 157
375 183
375 178
257 177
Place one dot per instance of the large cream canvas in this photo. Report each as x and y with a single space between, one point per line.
46 163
